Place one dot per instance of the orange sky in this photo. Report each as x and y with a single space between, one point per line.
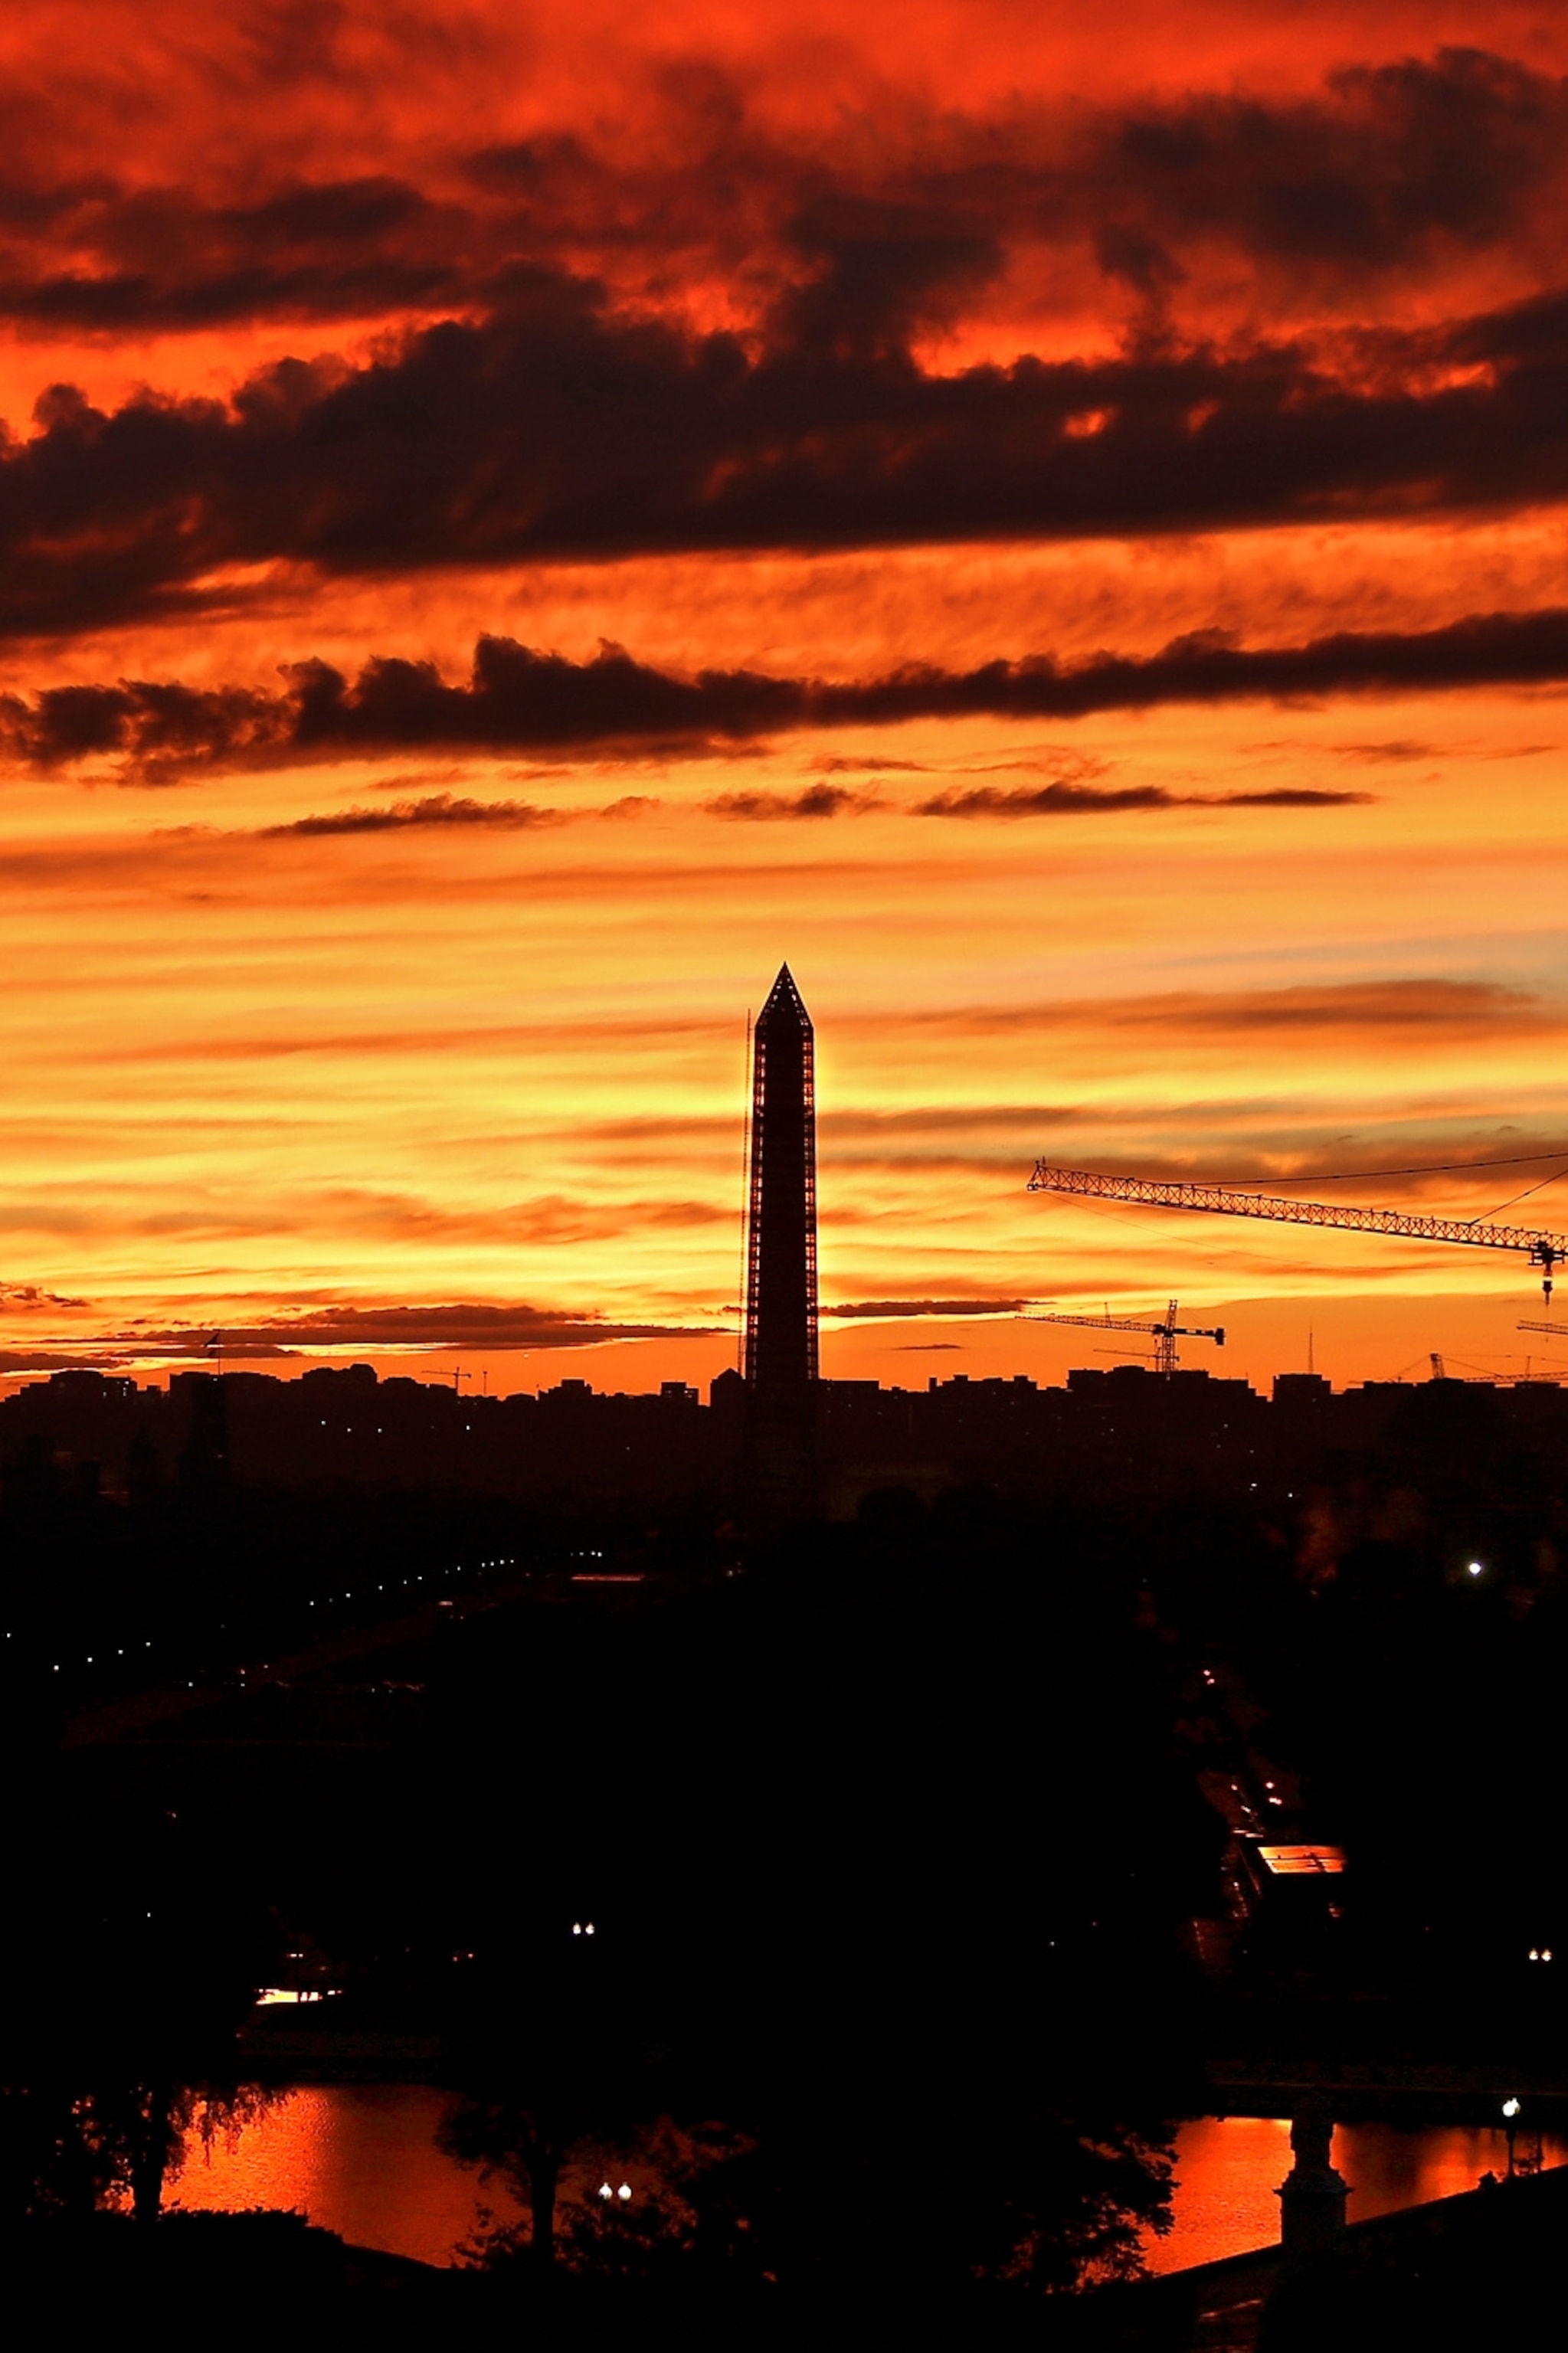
825 371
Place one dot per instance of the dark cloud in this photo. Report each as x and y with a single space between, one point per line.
564 428
161 729
870 763
459 1323
1400 749
1288 796
519 700
1077 801
40 1362
1050 800
879 270
1382 1016
1362 1007
446 812
437 810
892 1310
514 698
311 1330
813 801
1139 259
945 1118
1369 1013
1369 173
97 256
1386 168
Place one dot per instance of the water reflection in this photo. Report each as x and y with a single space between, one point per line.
1228 2169
362 2159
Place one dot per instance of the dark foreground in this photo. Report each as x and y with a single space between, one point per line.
1434 2277
879 1889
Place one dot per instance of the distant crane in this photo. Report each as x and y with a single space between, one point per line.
1547 1251
1166 1331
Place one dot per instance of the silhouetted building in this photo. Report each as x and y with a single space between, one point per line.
204 1460
1107 1435
782 1257
781 1232
142 1469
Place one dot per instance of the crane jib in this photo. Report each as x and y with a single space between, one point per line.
1545 1249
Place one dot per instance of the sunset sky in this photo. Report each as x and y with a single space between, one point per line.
515 521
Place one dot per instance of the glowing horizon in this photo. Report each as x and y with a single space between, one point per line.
1086 527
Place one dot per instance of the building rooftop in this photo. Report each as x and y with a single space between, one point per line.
1286 1862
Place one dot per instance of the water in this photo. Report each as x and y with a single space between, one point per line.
361 2160
1228 2169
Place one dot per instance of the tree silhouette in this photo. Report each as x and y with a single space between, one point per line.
118 2021
550 2060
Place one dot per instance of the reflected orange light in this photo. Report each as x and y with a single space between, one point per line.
255 1075
360 2160
1293 1862
1228 2169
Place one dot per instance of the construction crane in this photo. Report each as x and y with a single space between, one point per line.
1545 1250
1166 1331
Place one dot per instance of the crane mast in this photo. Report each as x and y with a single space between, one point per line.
1545 1250
1165 1330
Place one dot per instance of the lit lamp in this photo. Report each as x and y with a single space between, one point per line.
1524 2149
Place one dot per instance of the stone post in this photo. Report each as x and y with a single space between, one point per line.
1312 2197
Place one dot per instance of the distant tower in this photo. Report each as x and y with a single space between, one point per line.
203 1461
781 1231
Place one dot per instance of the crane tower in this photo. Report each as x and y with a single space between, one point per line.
1548 1252
1165 1330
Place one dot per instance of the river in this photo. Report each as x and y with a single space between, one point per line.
1228 2169
361 2160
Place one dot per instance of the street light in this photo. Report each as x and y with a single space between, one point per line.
1511 2126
